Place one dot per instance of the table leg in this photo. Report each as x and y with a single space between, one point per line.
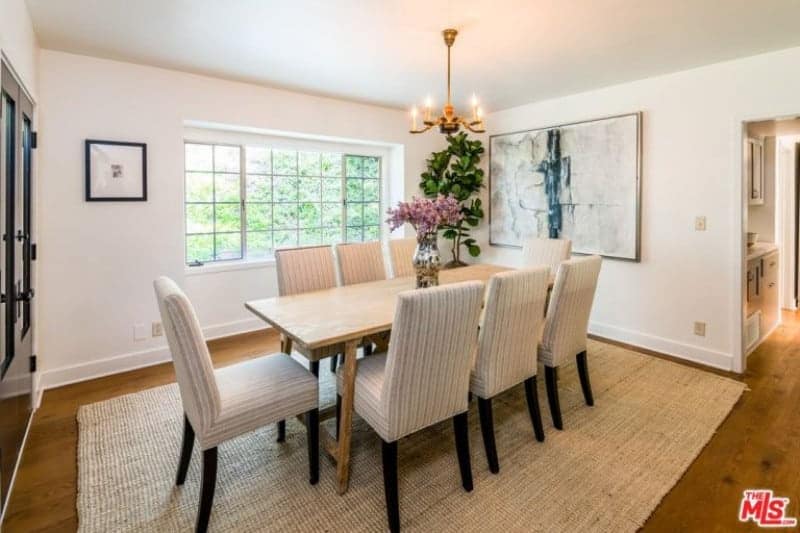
346 418
286 344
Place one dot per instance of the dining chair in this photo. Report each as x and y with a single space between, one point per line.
547 252
222 404
300 270
423 378
511 328
360 262
566 327
401 252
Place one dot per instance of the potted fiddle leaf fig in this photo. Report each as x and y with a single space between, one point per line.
454 172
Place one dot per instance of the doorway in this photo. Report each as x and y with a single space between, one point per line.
771 221
17 363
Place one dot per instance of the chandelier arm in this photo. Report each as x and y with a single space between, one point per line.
469 125
423 130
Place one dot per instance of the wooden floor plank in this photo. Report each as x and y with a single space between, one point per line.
758 446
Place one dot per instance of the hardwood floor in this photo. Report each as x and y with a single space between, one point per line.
45 490
758 446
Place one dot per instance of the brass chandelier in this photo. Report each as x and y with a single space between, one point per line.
448 122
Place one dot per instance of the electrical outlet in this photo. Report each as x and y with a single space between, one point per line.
700 329
158 329
139 332
700 223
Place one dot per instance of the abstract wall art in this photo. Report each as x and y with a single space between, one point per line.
577 181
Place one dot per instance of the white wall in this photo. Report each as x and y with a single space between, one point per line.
785 164
98 260
18 42
691 166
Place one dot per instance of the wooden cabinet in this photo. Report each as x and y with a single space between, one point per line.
770 298
763 292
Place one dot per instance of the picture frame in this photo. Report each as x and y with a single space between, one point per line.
116 171
586 181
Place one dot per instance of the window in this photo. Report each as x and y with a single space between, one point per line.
245 201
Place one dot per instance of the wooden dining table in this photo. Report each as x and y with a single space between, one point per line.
339 320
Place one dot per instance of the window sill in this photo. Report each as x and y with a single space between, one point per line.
229 266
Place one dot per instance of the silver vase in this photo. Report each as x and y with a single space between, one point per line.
426 261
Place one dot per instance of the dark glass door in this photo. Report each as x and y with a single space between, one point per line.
16 328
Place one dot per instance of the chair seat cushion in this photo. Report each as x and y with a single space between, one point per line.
369 383
258 392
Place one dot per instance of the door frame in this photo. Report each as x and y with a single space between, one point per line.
35 392
740 201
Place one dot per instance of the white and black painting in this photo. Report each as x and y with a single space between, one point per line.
577 181
116 171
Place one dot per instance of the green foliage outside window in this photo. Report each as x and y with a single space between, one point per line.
247 201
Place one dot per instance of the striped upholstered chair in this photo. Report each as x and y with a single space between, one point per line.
299 270
566 327
423 378
305 269
401 251
512 326
546 252
223 404
360 262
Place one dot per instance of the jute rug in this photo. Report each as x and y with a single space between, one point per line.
607 471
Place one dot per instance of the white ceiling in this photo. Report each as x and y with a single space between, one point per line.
390 52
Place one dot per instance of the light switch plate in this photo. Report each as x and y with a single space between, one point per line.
700 329
700 223
158 329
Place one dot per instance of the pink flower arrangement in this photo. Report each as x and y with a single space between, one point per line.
426 215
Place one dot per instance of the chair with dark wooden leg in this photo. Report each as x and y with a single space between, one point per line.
566 327
223 404
423 379
511 329
401 254
299 270
360 262
538 252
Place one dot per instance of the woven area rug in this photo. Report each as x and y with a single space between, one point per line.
607 471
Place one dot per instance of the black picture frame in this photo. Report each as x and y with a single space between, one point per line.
88 164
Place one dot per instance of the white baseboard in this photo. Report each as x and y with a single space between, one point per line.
58 377
690 352
66 375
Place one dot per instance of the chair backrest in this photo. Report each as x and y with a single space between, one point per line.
511 330
360 262
305 269
567 321
193 368
434 336
401 252
546 252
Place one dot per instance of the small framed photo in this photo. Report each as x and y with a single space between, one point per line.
116 171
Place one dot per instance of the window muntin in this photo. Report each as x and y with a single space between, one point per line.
245 201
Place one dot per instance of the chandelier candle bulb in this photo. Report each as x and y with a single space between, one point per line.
414 118
428 106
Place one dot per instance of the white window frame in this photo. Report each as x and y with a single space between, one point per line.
232 138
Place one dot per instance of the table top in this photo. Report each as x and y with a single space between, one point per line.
322 318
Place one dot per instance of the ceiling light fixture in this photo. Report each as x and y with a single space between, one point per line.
449 122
